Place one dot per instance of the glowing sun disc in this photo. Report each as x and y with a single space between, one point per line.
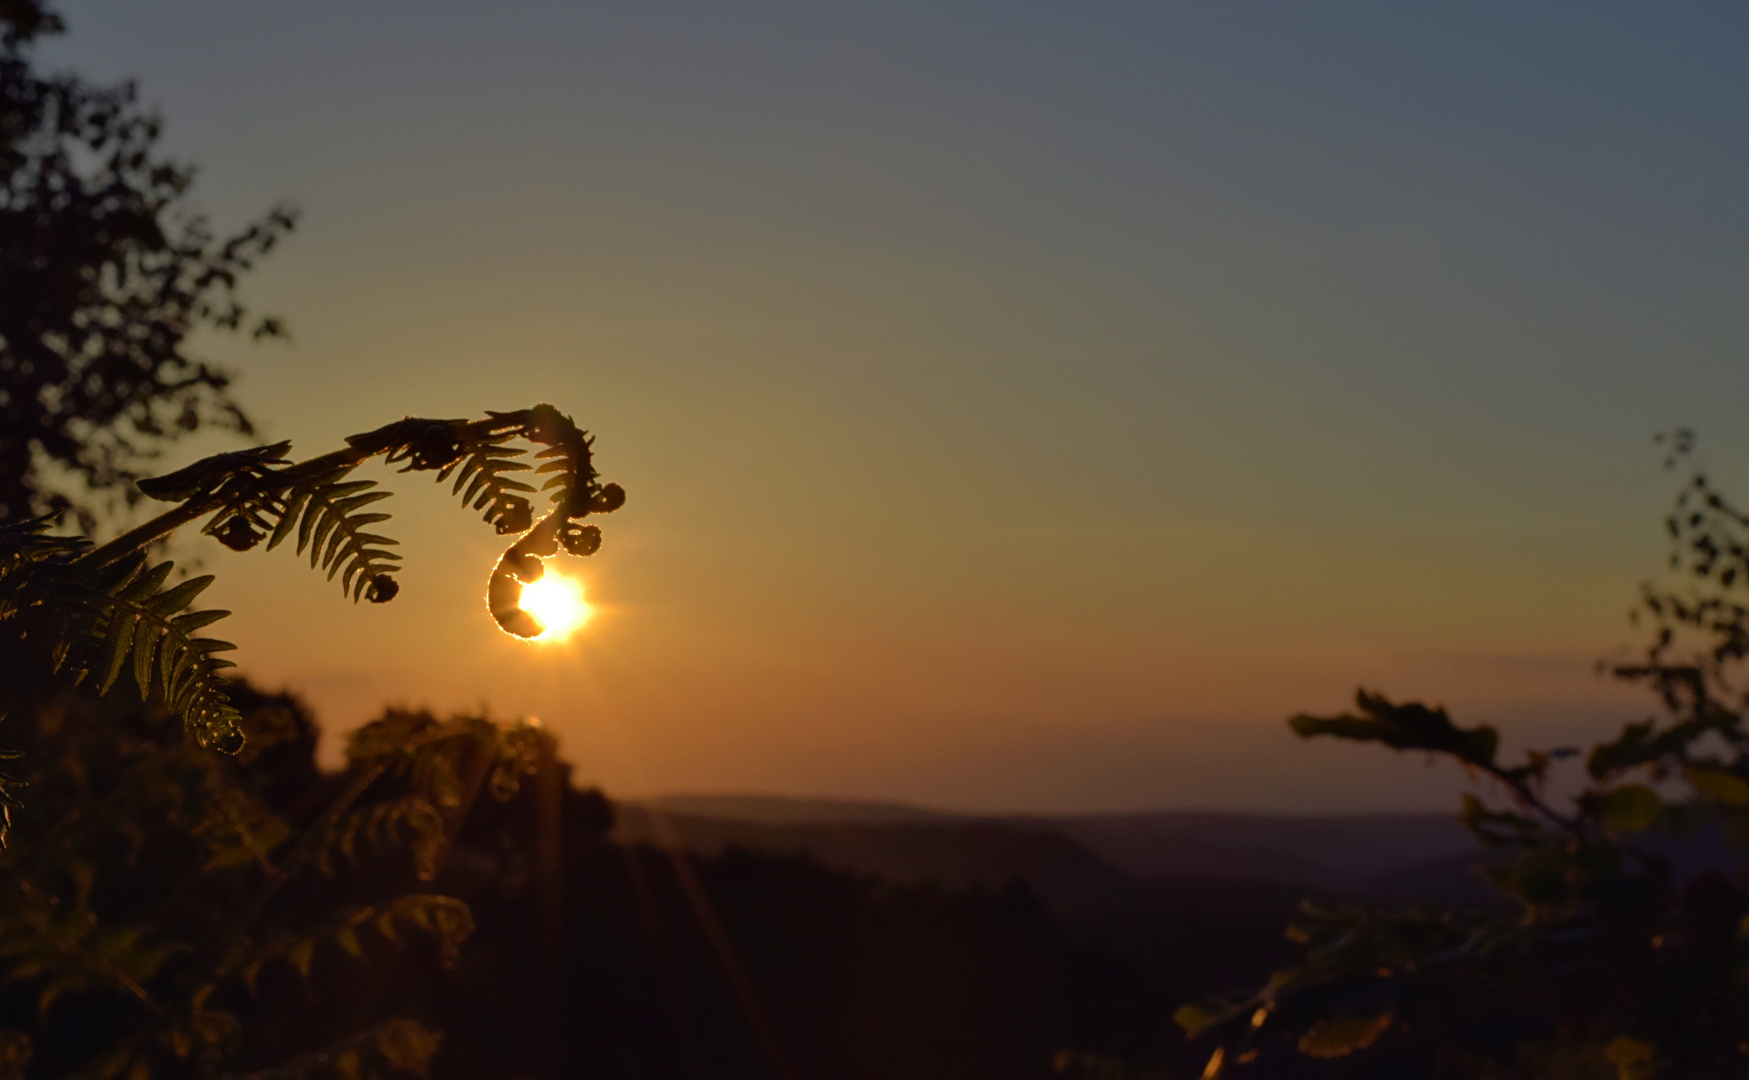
557 603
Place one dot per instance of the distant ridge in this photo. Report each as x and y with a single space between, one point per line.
1326 852
787 810
1186 894
1329 850
1191 896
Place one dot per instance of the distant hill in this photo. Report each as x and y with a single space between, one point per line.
1330 853
1196 934
1197 900
953 852
782 810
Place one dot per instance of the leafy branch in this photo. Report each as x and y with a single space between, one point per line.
1599 958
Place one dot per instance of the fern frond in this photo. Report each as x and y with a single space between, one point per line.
27 540
392 736
482 482
443 918
410 820
241 485
569 466
572 483
433 773
210 474
24 549
328 514
100 619
238 829
107 595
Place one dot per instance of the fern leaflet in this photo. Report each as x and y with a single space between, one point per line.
482 483
101 619
328 515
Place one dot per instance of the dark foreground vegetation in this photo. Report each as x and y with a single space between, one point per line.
585 958
184 894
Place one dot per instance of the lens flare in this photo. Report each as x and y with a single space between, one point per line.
557 603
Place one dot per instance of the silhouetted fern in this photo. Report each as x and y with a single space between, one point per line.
482 482
140 619
94 619
99 610
412 820
328 513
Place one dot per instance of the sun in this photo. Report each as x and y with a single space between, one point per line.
557 603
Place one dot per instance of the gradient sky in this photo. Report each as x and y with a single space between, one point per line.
1023 405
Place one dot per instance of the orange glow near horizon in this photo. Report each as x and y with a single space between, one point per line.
557 603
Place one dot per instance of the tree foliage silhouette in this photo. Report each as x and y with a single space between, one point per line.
105 273
1602 961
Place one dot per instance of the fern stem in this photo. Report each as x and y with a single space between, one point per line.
141 535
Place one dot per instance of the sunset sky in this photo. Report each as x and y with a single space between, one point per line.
1023 405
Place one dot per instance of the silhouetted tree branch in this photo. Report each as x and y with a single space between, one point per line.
1600 961
105 273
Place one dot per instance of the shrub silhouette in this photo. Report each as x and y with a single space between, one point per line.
1604 961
